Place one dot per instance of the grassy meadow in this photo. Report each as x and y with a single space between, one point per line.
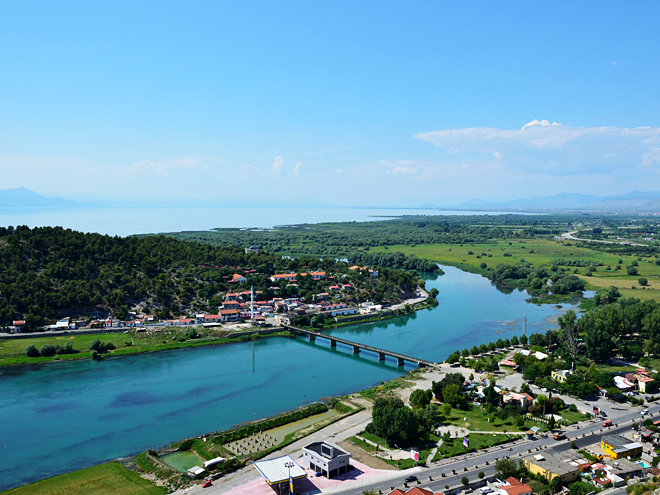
541 252
106 479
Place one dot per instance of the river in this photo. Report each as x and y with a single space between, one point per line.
68 415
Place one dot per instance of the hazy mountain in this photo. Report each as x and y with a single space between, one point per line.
22 197
636 200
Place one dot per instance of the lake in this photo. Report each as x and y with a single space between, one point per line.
69 415
129 221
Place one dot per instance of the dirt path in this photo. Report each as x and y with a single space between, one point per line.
364 457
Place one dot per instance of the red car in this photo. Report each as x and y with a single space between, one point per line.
206 484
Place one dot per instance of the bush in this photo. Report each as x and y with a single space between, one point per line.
47 350
642 281
483 265
31 351
631 270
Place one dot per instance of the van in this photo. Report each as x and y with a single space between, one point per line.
607 423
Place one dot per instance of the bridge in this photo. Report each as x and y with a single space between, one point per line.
400 358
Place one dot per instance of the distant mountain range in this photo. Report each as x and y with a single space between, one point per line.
633 201
22 197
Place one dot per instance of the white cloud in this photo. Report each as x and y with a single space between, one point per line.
541 147
297 168
403 170
277 164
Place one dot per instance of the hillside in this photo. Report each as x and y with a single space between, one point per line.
48 273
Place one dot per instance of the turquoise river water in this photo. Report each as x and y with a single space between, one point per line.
63 416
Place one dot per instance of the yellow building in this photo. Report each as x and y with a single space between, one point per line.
561 375
617 447
555 465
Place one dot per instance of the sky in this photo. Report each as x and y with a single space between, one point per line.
346 103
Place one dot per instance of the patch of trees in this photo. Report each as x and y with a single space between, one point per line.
393 421
394 260
48 350
526 276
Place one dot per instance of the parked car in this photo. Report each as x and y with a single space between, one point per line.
485 490
410 479
207 483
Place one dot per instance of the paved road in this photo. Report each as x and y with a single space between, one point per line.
591 429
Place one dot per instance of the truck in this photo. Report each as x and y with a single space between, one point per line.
607 423
559 435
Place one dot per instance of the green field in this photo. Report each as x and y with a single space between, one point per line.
12 351
107 479
540 252
477 441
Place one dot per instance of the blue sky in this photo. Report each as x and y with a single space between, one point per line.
345 103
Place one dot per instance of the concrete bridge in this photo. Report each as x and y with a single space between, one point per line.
400 358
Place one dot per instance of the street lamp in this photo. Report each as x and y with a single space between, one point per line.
289 465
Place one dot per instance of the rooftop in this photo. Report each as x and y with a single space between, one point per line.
275 470
619 443
559 464
324 449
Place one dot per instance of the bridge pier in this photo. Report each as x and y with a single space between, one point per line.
381 356
421 365
312 338
333 343
356 349
399 361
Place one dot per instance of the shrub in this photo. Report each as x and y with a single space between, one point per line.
31 351
47 350
642 281
483 265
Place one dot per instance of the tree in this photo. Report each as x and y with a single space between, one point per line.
551 422
505 468
446 409
420 398
465 481
598 342
452 394
392 420
569 324
642 281
481 475
514 340
555 483
523 339
631 270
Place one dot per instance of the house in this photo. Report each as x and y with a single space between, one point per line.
513 486
326 458
519 400
323 296
373 273
17 326
550 466
623 384
561 375
617 447
644 381
252 250
317 275
230 315
538 355
230 305
344 312
237 278
212 319
289 277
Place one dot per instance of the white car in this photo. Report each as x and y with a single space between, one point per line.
645 412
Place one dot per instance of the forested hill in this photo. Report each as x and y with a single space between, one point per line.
50 272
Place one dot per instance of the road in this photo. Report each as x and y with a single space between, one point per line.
485 460
570 236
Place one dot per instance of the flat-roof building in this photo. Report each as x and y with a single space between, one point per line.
554 465
617 447
326 458
278 469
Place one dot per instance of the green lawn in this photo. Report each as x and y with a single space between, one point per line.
106 479
477 441
475 419
544 252
12 351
